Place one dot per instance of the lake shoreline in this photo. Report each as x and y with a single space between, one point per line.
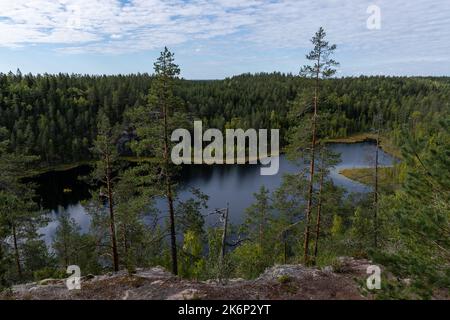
356 138
385 144
387 175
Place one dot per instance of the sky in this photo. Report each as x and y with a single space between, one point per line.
214 39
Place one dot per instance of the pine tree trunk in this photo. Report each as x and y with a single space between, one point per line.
173 238
224 236
169 195
375 215
319 208
311 170
112 222
310 196
16 252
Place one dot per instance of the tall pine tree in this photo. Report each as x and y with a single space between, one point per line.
154 123
322 67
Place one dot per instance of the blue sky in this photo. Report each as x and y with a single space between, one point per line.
213 39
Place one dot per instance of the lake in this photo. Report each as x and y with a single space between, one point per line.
222 183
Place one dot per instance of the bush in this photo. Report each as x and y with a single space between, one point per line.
48 272
249 261
283 279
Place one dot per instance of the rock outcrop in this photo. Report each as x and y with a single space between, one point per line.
278 282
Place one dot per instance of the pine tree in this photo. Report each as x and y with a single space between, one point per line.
66 240
154 123
377 121
322 68
327 159
419 214
258 217
19 214
105 171
191 224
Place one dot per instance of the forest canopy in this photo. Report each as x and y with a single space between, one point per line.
55 116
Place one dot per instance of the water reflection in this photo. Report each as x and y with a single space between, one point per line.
222 183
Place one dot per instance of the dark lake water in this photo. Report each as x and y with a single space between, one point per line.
222 183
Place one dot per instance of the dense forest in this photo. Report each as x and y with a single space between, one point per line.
53 119
55 116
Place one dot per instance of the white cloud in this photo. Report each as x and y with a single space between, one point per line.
419 27
141 24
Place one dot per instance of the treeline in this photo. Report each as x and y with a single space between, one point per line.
55 116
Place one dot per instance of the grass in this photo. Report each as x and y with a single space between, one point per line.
387 176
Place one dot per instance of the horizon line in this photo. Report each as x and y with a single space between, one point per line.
286 74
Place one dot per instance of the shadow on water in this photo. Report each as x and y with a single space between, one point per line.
57 189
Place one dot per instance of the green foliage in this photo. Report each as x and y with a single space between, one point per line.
71 247
105 173
249 260
258 217
337 265
323 66
21 248
419 213
283 279
270 229
55 116
22 252
154 121
189 213
192 263
105 150
49 272
192 225
216 268
336 228
140 243
66 240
